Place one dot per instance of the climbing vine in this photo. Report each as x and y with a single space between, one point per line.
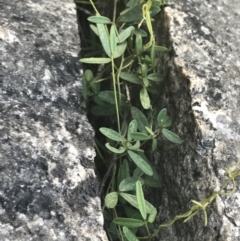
118 92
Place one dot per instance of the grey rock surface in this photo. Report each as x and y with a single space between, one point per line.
202 94
48 187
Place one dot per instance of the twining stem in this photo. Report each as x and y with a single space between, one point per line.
95 9
232 174
115 95
114 11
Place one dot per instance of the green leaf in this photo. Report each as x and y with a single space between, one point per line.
152 55
134 147
140 163
115 150
145 82
129 234
132 212
152 215
113 39
132 199
120 49
141 200
140 136
149 131
144 97
94 29
123 171
108 96
140 32
132 3
104 38
128 222
88 75
99 19
160 48
132 127
125 34
111 134
133 14
155 77
130 78
171 136
154 10
144 70
128 184
152 182
103 110
163 119
154 144
138 44
128 61
93 60
85 89
140 118
137 172
111 200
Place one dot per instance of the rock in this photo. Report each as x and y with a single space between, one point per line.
48 187
202 94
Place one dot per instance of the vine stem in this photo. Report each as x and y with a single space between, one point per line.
114 11
95 9
115 95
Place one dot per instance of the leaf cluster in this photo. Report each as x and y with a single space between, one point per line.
122 88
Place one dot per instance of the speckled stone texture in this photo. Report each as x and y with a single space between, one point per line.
48 187
202 94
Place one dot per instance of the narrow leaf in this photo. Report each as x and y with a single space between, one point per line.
144 97
104 38
95 60
128 222
88 75
128 184
103 110
137 172
171 136
120 49
155 77
115 150
140 32
129 234
111 134
109 97
160 48
113 39
132 127
125 34
111 200
135 147
140 163
149 131
132 199
152 215
94 29
141 200
140 136
163 119
123 171
152 182
138 44
99 19
130 78
140 118
154 144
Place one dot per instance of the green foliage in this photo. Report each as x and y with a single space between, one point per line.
122 88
